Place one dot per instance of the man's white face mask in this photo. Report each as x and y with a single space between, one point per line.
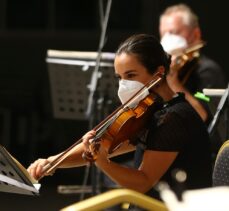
171 42
128 88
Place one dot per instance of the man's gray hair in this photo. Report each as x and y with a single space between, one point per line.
189 17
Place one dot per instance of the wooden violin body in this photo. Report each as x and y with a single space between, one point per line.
130 123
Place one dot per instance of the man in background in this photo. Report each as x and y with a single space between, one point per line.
180 34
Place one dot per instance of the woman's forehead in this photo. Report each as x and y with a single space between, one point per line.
126 62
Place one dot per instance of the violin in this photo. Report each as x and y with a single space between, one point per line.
185 60
123 124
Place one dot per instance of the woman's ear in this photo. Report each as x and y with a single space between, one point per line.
161 71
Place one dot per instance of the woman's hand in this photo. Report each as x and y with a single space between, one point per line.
36 168
101 154
87 139
93 150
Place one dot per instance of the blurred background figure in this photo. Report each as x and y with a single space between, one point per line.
191 71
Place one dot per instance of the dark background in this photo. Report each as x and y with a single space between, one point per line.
28 28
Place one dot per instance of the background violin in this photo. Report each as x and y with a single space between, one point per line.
185 60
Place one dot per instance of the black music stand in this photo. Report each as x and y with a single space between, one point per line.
70 73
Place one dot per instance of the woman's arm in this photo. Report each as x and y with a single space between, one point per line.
74 158
152 168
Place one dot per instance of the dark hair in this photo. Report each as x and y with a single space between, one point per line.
148 50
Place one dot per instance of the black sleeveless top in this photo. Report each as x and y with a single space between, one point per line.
177 127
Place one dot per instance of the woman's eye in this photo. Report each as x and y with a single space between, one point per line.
131 76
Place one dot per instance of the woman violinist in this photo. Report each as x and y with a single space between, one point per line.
168 141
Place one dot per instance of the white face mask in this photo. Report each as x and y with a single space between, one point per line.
171 42
128 88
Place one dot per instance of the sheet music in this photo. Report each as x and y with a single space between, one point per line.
14 178
13 186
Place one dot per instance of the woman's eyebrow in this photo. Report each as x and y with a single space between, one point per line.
125 73
129 71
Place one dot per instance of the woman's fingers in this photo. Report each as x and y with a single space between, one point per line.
36 168
88 138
